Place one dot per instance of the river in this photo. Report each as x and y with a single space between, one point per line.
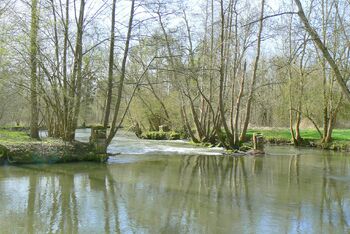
174 187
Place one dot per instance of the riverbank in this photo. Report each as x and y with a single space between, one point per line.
18 148
311 138
282 136
274 136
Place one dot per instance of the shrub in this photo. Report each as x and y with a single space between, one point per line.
154 135
174 136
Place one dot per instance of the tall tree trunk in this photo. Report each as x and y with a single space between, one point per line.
301 92
238 104
64 72
114 127
297 125
34 128
222 79
110 68
332 121
256 63
76 79
324 73
291 111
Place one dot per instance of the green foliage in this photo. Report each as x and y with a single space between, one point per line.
154 135
174 136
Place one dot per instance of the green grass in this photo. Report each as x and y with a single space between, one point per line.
13 137
308 134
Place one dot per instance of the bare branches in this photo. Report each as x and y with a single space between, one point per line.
324 50
271 16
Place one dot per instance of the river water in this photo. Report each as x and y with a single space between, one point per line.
173 187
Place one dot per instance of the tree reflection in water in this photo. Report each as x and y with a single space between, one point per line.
176 194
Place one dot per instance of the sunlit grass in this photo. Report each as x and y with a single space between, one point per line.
13 136
308 134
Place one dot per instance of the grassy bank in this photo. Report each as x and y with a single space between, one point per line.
341 137
7 136
16 147
308 134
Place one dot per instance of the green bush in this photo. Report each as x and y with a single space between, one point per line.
174 136
154 135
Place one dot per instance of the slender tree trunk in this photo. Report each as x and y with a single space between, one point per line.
291 111
256 63
290 84
222 79
110 68
76 80
65 76
332 121
324 73
56 81
34 128
238 104
325 99
301 93
114 127
187 124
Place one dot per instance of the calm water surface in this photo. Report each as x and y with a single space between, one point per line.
171 187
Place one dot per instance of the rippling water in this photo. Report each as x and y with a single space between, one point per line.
172 187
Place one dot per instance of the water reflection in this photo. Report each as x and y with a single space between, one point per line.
180 194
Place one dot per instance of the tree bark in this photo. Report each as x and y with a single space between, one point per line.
34 128
110 68
256 63
77 73
222 78
114 127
